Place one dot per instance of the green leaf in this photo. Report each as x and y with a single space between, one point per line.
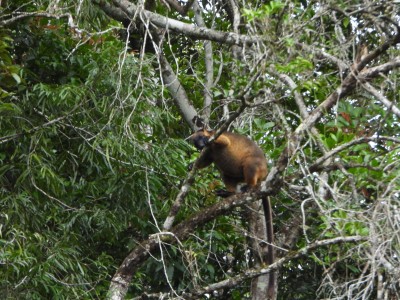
16 77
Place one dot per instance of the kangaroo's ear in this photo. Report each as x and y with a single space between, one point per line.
208 133
223 140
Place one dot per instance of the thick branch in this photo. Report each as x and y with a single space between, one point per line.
297 96
209 63
178 93
189 30
169 77
324 55
112 11
371 73
123 276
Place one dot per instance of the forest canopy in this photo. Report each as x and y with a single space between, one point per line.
98 99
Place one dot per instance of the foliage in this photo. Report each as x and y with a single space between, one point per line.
93 150
78 148
9 72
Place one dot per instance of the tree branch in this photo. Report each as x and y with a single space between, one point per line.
328 155
390 105
178 93
255 272
112 11
202 33
272 185
182 194
24 15
209 76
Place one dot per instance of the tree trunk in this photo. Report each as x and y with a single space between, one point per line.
259 247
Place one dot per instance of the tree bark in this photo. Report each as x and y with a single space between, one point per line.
259 248
201 33
179 95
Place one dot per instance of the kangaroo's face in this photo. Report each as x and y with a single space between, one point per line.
200 138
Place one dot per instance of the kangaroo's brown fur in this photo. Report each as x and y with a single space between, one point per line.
238 158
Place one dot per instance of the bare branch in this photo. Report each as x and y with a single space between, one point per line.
372 72
25 15
390 105
189 30
209 63
179 94
342 147
297 96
